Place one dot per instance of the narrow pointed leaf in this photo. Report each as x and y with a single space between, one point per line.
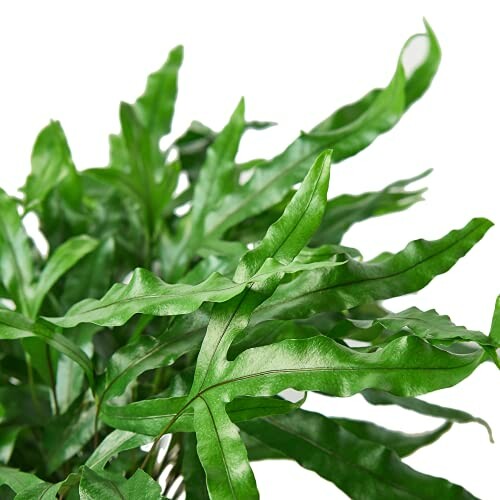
63 259
14 326
346 210
358 283
222 453
360 468
114 443
192 471
378 397
403 444
283 242
347 131
150 416
321 364
495 324
218 176
51 163
16 259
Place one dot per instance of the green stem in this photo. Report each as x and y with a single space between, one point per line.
52 379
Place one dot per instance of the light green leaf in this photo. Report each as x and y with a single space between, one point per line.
222 452
321 364
282 242
357 283
17 480
150 416
495 324
51 163
347 131
218 177
114 443
93 486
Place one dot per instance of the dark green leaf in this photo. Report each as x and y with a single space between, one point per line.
360 468
384 398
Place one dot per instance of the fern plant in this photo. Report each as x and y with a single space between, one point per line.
175 314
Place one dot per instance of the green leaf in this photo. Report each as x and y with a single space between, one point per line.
346 210
347 131
70 376
222 452
217 178
378 397
16 258
14 326
93 486
282 242
17 480
321 364
147 353
114 443
192 471
148 294
51 164
66 435
8 436
63 259
360 468
155 107
149 417
403 444
92 276
495 324
359 283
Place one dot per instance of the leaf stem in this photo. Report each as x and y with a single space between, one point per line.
52 379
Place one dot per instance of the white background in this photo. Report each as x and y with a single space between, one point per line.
295 63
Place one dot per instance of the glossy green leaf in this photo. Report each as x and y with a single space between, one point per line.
114 443
283 242
51 164
321 364
360 468
17 480
347 131
94 486
221 452
218 177
149 417
358 283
